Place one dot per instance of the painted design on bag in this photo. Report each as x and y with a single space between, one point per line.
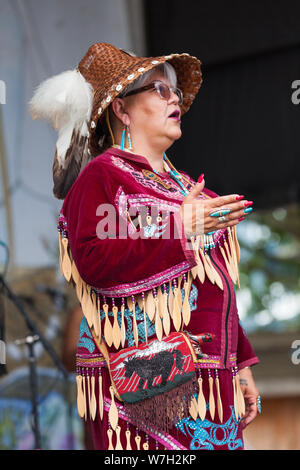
157 366
148 369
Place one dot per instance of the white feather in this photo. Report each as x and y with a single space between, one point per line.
63 143
64 100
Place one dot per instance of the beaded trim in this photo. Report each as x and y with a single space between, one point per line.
92 361
212 362
145 284
141 178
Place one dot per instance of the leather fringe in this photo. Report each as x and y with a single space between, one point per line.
161 307
114 440
230 252
239 401
159 413
214 387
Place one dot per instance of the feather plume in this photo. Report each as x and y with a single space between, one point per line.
65 101
77 157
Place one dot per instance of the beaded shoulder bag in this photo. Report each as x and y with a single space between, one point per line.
156 380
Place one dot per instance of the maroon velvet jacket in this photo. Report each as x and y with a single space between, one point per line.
119 267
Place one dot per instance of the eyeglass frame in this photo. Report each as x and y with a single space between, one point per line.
151 86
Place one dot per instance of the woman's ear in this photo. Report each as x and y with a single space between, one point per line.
118 107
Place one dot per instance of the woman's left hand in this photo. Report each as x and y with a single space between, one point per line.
250 393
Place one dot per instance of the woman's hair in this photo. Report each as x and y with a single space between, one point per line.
166 69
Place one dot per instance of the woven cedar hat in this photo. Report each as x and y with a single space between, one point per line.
110 70
75 101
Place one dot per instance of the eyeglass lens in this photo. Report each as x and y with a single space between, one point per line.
165 91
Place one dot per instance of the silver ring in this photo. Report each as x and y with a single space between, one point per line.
222 218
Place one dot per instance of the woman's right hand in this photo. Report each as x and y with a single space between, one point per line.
195 212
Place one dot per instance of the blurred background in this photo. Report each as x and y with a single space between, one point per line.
242 132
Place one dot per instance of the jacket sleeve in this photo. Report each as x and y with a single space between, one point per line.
245 354
117 260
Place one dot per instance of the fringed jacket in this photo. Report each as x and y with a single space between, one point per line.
122 244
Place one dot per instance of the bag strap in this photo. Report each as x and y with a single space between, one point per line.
188 342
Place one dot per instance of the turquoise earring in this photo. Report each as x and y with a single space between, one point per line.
123 139
122 145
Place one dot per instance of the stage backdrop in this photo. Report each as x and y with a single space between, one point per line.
40 39
243 129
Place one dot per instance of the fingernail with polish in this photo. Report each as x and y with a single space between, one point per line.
200 179
248 203
249 209
239 198
241 218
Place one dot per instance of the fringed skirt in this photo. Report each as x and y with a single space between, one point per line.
212 424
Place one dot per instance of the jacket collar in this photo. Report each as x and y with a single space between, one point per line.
133 157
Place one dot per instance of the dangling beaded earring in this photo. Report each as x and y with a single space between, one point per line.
122 145
129 139
123 138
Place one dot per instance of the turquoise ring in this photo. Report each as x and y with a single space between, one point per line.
258 404
220 212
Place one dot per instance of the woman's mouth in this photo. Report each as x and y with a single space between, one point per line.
175 115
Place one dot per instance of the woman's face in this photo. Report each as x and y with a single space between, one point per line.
150 115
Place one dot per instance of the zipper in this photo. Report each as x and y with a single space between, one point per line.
227 310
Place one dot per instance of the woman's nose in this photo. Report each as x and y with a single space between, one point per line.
174 98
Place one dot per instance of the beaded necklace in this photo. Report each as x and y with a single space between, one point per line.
174 175
208 241
169 167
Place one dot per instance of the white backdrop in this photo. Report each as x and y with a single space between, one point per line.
39 39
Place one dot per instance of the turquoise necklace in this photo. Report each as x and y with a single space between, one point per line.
175 176
208 237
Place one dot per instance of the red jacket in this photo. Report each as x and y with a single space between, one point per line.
119 267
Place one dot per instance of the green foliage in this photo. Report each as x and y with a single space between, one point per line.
270 268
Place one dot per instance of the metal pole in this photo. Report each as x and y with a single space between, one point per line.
30 340
6 195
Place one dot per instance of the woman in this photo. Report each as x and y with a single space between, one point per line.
153 256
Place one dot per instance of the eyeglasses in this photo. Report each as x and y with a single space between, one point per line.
162 89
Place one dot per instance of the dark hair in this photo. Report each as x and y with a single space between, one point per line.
79 154
101 139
